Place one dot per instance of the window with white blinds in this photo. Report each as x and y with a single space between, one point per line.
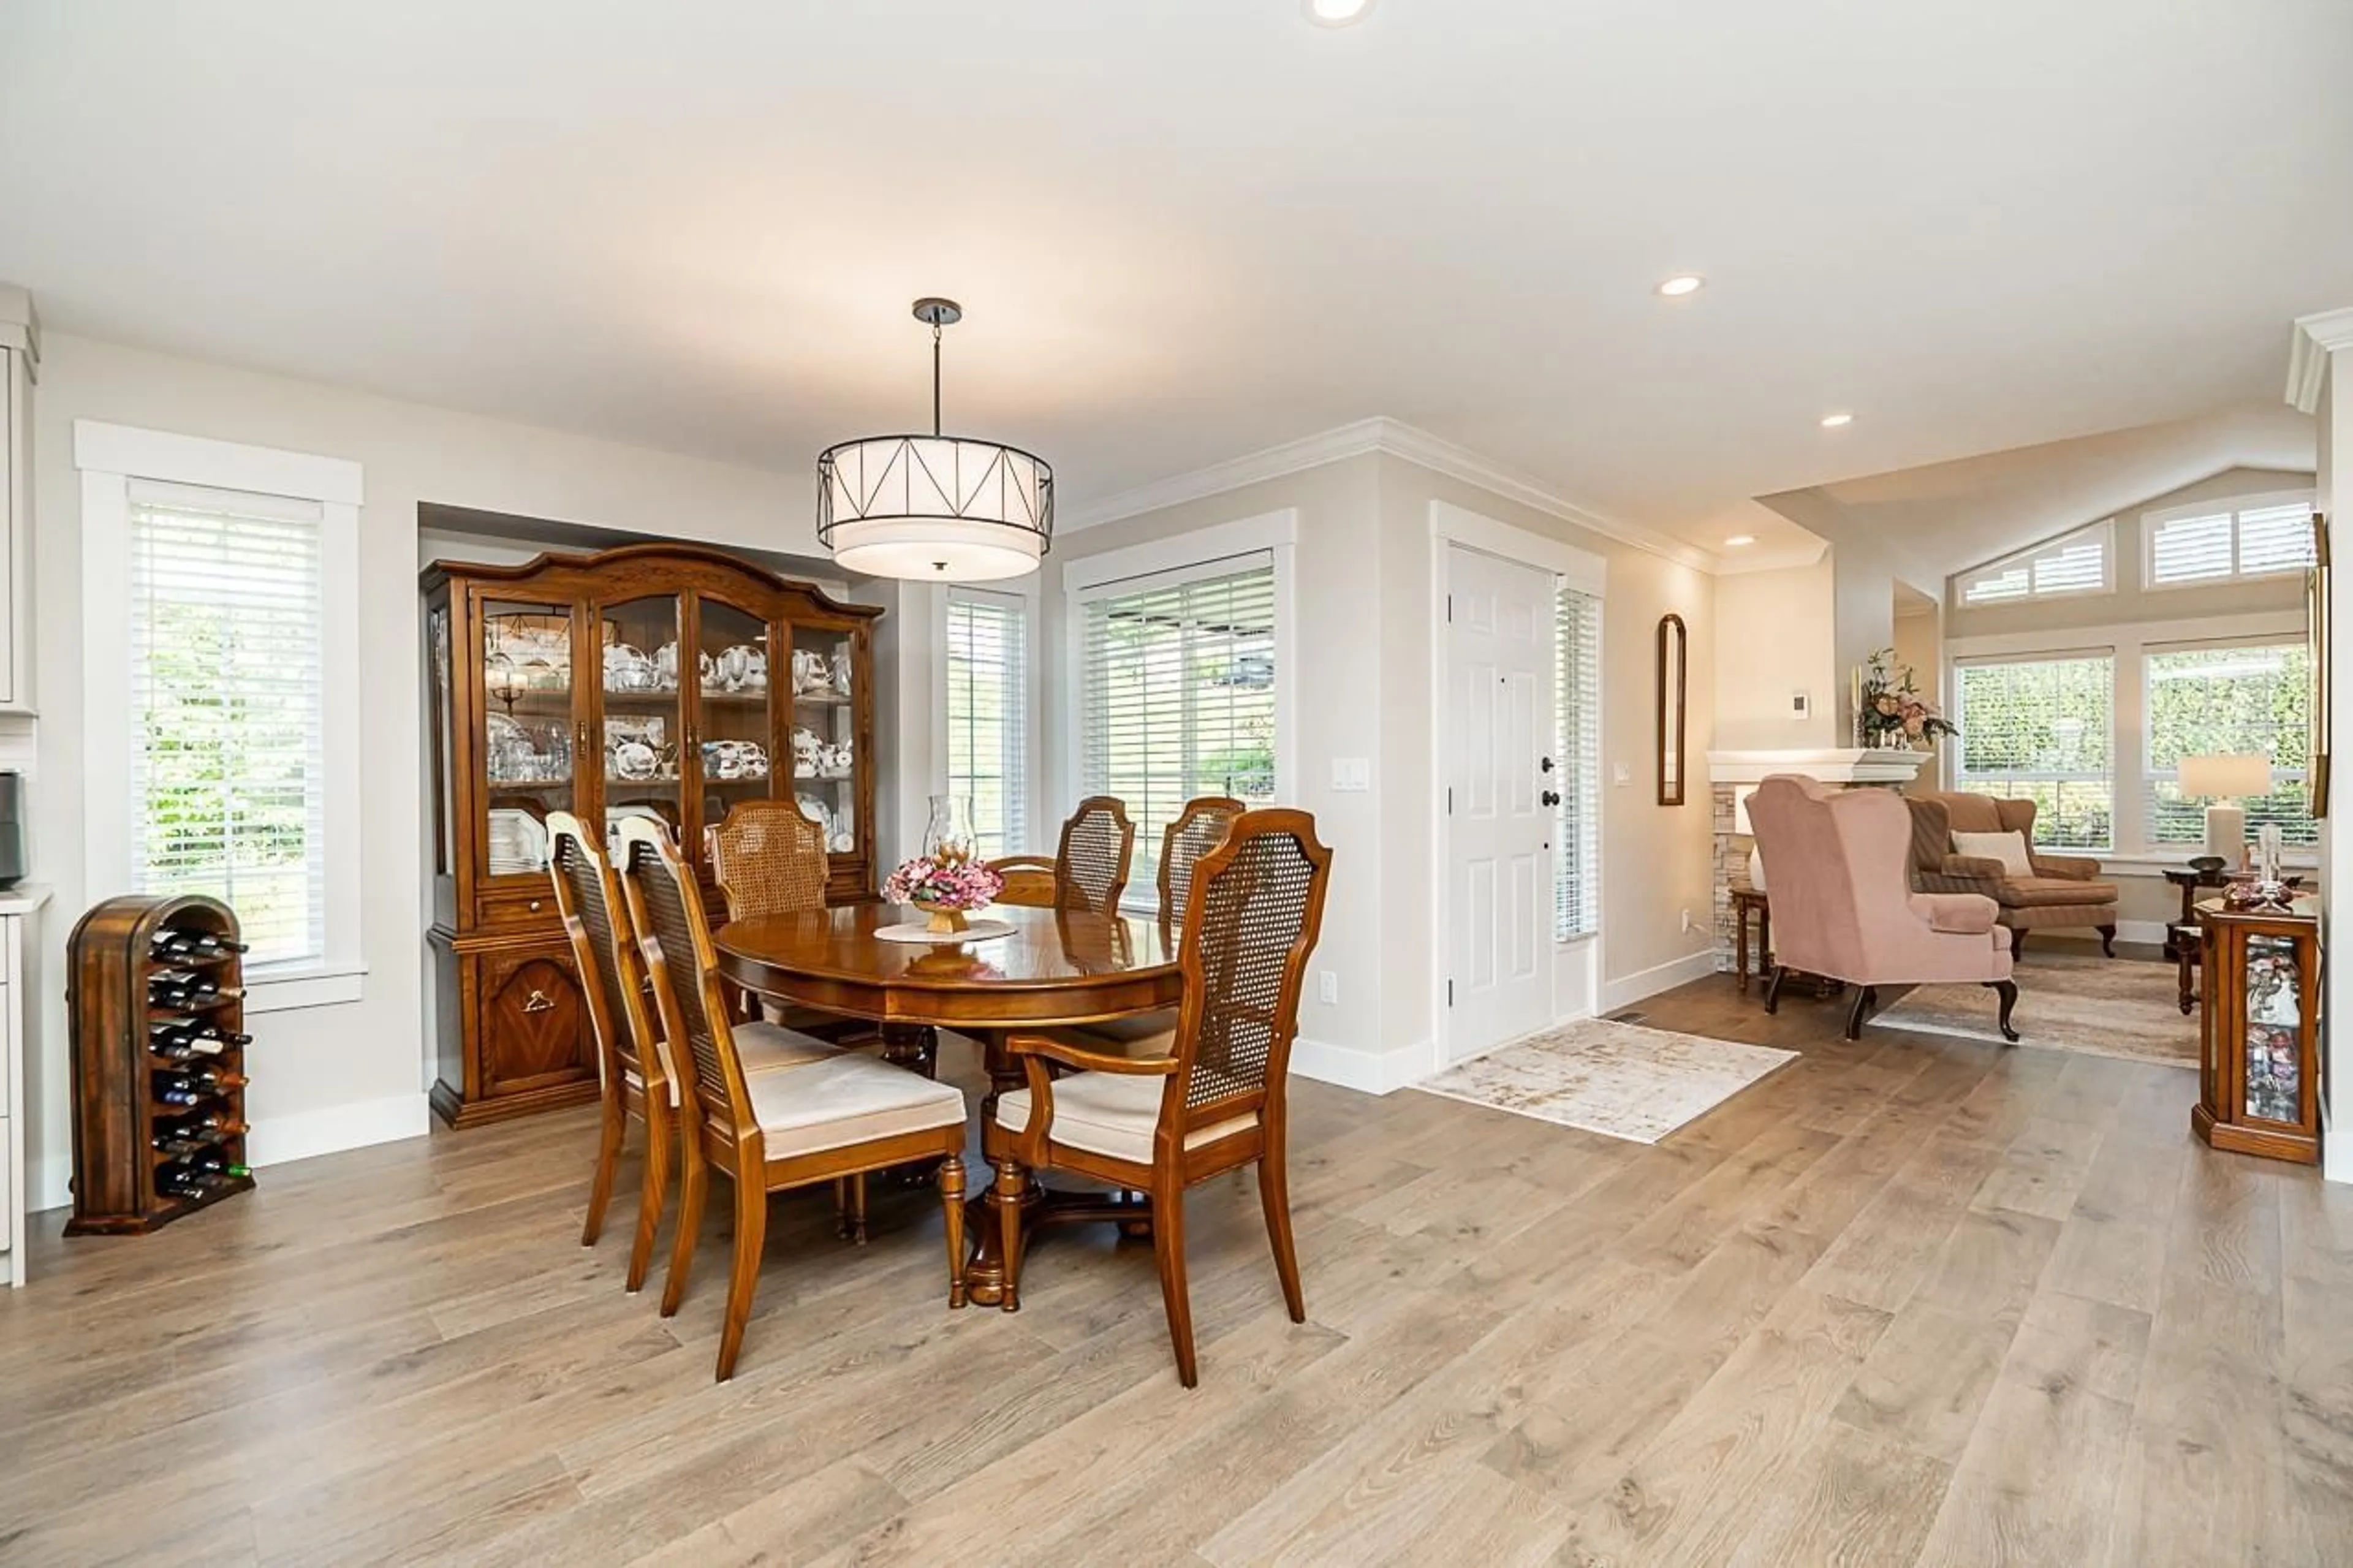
1577 888
2260 536
2229 701
1178 693
988 715
226 708
2041 729
2077 563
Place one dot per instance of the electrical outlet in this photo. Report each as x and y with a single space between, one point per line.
1327 988
1620 775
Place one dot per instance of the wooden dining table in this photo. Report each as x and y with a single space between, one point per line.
1056 967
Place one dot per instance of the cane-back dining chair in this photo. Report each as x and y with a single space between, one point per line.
1088 872
843 1116
1161 1125
633 1069
1199 828
769 858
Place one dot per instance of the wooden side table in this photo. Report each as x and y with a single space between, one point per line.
1746 899
2192 880
2259 1057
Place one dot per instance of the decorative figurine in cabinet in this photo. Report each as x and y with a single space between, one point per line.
2259 1058
662 681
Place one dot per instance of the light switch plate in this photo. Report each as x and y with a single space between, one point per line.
1620 775
1351 775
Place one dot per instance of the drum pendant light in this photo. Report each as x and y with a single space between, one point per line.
935 507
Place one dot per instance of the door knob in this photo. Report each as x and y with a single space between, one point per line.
1543 764
1550 797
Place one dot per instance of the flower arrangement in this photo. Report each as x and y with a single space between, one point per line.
946 884
1890 713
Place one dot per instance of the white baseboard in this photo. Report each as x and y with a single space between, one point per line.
2149 932
273 1141
279 1139
1371 1072
1628 989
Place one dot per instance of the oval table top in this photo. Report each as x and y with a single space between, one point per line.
1059 966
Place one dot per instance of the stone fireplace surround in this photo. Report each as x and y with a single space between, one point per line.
1729 772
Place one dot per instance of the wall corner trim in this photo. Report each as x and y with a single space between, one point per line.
1368 1072
2311 342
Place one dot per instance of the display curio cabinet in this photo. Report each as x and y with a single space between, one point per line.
2259 1089
660 681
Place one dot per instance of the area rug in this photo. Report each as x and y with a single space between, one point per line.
2120 1007
1618 1079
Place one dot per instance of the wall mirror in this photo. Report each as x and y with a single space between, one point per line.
1672 683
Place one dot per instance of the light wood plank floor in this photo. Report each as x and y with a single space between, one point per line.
1908 1300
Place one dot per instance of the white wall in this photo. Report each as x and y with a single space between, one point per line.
331 1076
1363 634
1773 636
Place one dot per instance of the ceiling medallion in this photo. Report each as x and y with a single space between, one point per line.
935 507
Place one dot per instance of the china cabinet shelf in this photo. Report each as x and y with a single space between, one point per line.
511 1024
822 699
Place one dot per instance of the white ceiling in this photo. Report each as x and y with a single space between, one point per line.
1193 228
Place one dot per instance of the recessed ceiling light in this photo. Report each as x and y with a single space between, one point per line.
1834 421
1680 284
1336 13
1738 540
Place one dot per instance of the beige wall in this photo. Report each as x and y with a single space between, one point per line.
329 1076
1773 633
1362 688
1920 644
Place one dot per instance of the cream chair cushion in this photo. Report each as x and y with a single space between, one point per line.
846 1099
760 1047
1110 1113
2009 849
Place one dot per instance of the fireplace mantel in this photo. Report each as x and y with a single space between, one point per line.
1830 764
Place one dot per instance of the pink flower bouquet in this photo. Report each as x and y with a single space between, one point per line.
946 890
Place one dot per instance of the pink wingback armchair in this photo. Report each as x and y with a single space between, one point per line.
1838 864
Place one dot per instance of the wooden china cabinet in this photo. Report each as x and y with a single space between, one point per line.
666 680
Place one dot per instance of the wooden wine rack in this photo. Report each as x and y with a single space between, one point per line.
119 1115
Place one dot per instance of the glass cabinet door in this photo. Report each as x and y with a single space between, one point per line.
527 720
642 715
2274 1024
826 764
735 736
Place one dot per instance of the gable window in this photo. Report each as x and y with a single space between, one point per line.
2040 729
2234 701
221 668
1177 692
2256 536
2078 563
1577 892
988 716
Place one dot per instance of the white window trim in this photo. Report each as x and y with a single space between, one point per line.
1957 595
2129 708
1025 590
108 457
1200 550
2150 522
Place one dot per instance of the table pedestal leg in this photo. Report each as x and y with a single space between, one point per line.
984 1277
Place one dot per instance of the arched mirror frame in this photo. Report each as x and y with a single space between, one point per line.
1673 661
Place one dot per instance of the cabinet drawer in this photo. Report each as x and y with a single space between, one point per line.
507 910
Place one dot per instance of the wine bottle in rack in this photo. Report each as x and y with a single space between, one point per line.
192 945
185 988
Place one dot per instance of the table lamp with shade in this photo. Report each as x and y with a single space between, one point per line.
2226 782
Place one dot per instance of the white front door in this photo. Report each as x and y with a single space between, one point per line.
1498 735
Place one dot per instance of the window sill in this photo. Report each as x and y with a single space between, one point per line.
2154 866
303 986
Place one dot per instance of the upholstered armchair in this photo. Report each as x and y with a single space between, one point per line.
2058 890
1842 907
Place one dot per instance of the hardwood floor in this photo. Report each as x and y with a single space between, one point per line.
1905 1301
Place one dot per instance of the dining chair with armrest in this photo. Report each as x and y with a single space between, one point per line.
1200 827
1089 870
766 1131
1163 1124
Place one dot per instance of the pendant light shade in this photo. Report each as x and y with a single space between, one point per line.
935 508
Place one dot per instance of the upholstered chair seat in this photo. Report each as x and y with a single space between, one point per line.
845 1100
765 1048
1113 1114
2054 891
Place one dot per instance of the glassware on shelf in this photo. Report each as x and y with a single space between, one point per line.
2274 1029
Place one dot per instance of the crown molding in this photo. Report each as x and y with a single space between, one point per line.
2315 338
20 327
1397 439
1771 558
